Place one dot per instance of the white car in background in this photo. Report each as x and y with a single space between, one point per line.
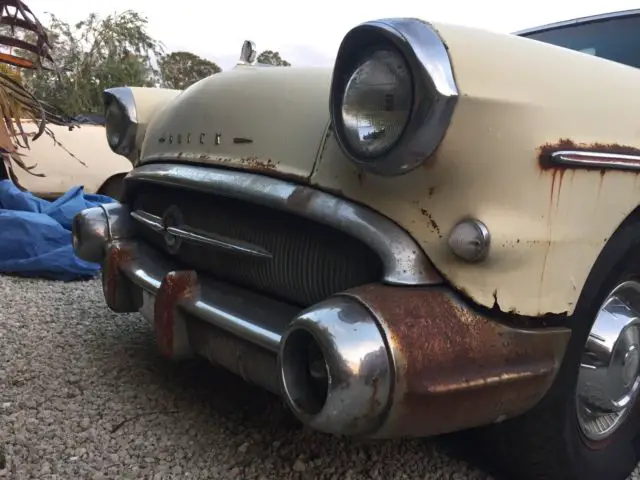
80 156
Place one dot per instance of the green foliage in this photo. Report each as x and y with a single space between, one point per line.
96 54
272 58
100 53
180 69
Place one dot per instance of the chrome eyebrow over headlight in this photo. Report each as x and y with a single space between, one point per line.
393 93
121 120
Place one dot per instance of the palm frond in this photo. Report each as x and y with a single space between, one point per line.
17 104
16 14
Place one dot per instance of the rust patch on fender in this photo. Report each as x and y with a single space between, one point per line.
267 167
432 222
558 170
175 286
545 151
450 358
252 164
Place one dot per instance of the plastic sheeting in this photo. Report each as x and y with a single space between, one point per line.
35 234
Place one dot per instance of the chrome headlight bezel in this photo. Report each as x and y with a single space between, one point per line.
121 98
435 92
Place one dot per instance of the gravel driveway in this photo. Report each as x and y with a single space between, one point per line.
83 394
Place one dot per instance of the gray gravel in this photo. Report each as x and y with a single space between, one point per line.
83 394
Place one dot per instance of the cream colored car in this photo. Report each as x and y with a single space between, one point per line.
437 234
70 158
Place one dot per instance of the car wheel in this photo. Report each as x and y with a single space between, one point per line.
587 426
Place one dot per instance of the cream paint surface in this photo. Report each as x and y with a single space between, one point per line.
281 111
62 171
547 228
515 96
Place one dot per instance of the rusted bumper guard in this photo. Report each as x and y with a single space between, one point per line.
377 361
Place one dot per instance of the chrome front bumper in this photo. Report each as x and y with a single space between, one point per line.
377 361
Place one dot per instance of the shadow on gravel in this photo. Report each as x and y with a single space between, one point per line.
258 427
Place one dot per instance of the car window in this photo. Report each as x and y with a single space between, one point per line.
617 39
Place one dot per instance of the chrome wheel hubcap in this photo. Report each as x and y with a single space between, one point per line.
609 376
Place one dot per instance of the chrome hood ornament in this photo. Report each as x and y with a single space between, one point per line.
249 56
248 53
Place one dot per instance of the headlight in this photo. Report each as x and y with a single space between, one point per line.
376 103
392 94
120 120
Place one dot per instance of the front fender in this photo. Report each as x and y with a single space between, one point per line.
518 98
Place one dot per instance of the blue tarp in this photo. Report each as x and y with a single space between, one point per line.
35 234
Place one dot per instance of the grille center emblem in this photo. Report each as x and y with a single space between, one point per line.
172 217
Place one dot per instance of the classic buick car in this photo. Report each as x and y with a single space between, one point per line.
440 233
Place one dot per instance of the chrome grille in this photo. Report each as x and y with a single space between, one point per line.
309 261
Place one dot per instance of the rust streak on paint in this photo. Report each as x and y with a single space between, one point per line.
557 170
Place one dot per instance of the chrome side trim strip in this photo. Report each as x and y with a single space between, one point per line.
602 160
248 315
403 260
200 237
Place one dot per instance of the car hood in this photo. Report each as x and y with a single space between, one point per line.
249 118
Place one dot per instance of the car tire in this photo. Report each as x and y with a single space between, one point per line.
549 442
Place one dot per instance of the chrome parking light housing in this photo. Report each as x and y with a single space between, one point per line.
121 119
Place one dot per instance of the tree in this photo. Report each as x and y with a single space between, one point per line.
96 54
272 58
180 69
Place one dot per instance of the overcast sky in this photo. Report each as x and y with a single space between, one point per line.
308 33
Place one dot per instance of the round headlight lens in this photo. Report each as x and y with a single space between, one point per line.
376 104
116 123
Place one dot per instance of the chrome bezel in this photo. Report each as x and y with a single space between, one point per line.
435 90
124 97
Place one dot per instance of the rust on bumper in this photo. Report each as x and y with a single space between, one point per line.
175 287
118 296
451 368
455 368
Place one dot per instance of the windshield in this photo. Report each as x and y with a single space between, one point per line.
617 39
